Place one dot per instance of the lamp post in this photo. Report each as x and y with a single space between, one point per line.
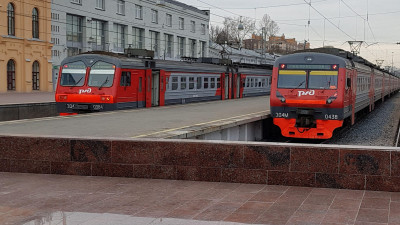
240 28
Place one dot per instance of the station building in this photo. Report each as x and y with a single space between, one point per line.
170 28
25 48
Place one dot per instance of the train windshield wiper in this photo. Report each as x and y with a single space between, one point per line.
298 85
77 82
104 83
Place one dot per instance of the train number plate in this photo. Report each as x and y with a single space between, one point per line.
331 116
281 115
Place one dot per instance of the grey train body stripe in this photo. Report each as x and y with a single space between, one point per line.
319 113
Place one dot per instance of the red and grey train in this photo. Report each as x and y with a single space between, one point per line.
313 92
97 81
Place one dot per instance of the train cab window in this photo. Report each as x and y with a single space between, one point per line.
199 84
191 83
218 82
323 80
140 84
292 79
101 75
73 74
125 79
205 82
183 83
174 83
212 82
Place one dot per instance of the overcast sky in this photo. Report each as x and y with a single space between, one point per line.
345 20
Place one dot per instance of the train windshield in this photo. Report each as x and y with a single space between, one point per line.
101 75
292 79
73 74
323 80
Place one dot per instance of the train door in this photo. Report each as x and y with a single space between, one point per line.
155 88
126 90
238 86
139 80
226 85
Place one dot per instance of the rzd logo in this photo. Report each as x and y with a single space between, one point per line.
83 91
301 93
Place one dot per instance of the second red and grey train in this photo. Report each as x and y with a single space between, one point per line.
93 82
313 93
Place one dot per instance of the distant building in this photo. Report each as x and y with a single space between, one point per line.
168 27
25 48
275 44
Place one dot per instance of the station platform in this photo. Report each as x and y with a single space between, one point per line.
159 122
31 199
11 98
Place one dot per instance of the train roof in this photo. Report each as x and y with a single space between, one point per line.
185 66
118 60
312 57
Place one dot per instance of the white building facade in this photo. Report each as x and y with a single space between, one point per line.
168 27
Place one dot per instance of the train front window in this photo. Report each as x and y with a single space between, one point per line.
73 74
292 79
323 80
101 75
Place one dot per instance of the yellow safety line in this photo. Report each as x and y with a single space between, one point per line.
199 124
324 73
292 72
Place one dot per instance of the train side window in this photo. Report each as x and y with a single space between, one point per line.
205 82
199 84
125 79
218 82
140 84
174 83
191 83
259 83
247 82
212 82
167 83
183 83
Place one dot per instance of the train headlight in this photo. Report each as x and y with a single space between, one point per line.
105 98
63 97
283 100
328 101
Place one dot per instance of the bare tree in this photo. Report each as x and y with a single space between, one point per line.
268 27
234 34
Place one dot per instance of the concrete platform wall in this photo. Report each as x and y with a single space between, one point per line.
370 168
27 111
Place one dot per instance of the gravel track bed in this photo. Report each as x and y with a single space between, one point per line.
379 128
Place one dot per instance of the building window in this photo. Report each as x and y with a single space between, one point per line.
121 7
77 2
203 29
181 46
11 75
74 28
73 51
154 41
192 26
154 16
137 37
193 47
169 45
98 35
203 48
35 23
100 4
168 20
35 76
119 37
139 12
181 23
11 19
